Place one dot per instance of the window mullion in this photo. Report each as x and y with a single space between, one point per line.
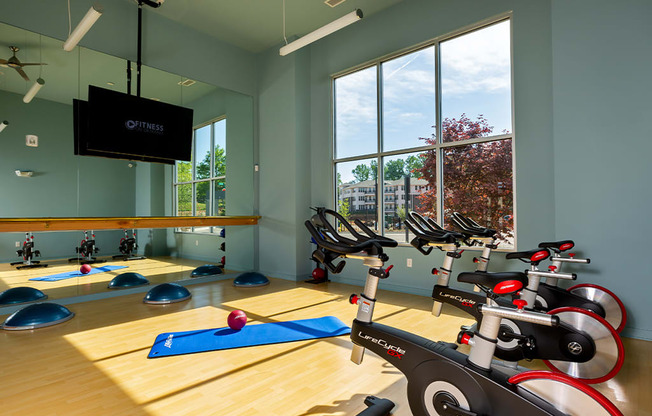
438 134
209 207
380 182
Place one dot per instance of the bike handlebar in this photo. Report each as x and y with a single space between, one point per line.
332 245
468 226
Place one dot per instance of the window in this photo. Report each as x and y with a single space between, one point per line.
436 125
200 185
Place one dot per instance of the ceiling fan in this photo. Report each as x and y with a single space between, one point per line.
15 63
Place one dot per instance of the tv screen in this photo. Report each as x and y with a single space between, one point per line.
81 132
128 127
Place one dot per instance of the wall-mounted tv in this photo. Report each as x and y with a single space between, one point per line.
116 125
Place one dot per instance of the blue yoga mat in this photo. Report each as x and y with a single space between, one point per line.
77 273
178 343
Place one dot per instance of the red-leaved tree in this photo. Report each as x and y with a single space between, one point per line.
477 177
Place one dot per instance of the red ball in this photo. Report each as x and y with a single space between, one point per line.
318 273
85 269
237 319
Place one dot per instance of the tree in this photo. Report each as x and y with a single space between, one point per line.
361 173
184 192
394 169
414 164
477 177
373 165
203 171
344 209
220 161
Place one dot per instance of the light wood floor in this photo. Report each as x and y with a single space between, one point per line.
96 363
156 270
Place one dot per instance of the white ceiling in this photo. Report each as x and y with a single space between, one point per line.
256 25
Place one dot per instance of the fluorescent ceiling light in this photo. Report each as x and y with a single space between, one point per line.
32 91
333 26
84 25
3 125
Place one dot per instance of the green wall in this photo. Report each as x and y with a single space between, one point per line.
283 92
581 97
166 45
63 185
602 55
169 46
238 109
581 88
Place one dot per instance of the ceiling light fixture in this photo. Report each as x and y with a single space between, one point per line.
32 91
3 125
84 26
334 3
333 26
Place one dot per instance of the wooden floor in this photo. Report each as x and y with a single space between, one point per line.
159 270
96 363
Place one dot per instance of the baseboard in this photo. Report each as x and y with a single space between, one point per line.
638 333
7 310
281 275
411 290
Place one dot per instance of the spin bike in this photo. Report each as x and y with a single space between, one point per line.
86 250
441 380
548 295
583 345
27 252
127 246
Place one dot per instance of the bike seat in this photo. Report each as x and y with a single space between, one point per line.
558 246
491 279
530 256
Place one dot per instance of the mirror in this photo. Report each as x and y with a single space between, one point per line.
65 185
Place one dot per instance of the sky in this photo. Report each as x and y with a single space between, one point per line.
475 79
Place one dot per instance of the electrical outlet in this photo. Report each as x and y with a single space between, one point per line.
17 243
196 242
409 262
31 140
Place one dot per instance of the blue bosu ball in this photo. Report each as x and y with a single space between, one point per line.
38 315
127 280
206 270
167 293
250 279
21 294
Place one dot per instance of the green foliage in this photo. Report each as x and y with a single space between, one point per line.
220 161
202 190
361 173
344 209
184 200
184 171
400 212
414 164
394 169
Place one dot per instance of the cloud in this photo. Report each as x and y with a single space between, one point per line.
355 97
477 62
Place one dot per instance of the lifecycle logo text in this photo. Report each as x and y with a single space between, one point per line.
393 350
460 299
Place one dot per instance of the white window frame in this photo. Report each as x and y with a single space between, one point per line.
211 179
439 147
